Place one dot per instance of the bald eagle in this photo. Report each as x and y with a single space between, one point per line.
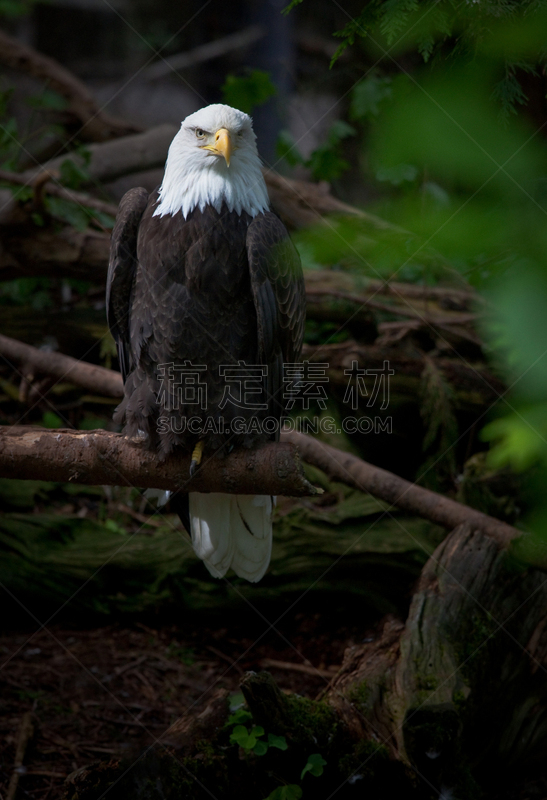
206 302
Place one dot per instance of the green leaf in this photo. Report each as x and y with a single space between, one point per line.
398 174
113 526
277 741
315 765
367 96
291 5
242 737
290 792
248 91
69 212
257 731
48 100
237 701
518 439
72 174
241 715
260 748
52 420
286 148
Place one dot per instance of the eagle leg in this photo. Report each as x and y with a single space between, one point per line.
197 453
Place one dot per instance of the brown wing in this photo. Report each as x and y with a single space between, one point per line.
279 295
121 272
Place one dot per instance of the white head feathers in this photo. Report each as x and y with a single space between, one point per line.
197 174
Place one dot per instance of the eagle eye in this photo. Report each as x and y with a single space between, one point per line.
200 134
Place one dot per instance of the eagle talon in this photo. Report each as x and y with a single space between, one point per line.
197 453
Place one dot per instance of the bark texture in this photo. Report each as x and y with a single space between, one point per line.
462 684
101 457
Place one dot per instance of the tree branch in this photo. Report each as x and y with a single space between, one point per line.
340 466
96 125
355 472
57 190
119 157
205 52
89 376
102 457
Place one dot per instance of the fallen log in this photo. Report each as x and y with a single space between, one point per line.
104 458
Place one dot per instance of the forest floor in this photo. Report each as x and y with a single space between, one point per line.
106 693
111 692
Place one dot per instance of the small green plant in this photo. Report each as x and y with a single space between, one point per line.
291 791
253 739
314 766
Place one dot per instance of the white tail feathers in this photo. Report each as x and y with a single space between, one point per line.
234 531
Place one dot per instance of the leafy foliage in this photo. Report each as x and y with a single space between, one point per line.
248 91
326 162
314 766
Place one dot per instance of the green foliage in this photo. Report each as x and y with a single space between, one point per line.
51 420
248 91
35 292
326 161
314 766
250 739
15 8
73 175
289 792
48 100
367 96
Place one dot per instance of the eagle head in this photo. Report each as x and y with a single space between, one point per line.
213 160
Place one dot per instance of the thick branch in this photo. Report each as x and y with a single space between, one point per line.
89 376
353 471
96 125
57 190
101 457
341 466
119 157
205 52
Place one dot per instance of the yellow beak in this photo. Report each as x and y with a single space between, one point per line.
222 146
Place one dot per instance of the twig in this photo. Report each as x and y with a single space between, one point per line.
307 670
454 318
132 664
26 729
226 658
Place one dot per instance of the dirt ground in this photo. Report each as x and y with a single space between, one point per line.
113 691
